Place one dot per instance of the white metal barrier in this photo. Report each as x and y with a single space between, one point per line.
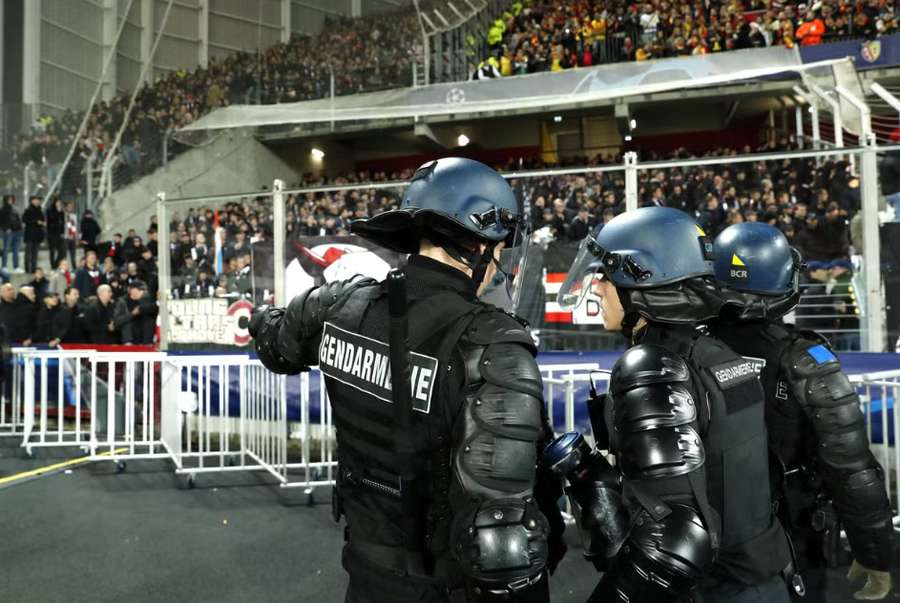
104 403
12 414
881 390
129 428
229 413
40 407
216 428
208 434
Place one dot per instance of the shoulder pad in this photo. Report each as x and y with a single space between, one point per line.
308 311
813 352
495 326
330 293
646 364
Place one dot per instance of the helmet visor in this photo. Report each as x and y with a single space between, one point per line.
514 262
583 275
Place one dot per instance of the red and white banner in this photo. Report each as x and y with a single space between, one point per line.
587 313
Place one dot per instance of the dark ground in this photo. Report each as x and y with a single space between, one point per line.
96 535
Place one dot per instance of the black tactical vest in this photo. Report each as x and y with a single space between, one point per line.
791 436
354 355
752 547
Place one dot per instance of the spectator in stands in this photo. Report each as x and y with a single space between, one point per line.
70 322
153 240
61 278
56 229
135 315
560 218
7 310
118 285
47 319
148 271
22 320
39 283
131 249
99 318
89 231
34 232
824 240
109 272
239 282
186 278
810 32
205 284
89 277
11 224
200 252
581 225
115 251
712 218
71 231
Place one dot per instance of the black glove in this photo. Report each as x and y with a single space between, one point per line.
264 326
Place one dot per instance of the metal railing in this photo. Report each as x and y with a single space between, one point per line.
146 405
104 403
878 396
12 413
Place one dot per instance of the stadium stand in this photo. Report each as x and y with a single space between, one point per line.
363 55
552 35
377 52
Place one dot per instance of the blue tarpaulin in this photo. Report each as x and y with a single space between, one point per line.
883 51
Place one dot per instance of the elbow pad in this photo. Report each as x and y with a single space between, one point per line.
298 338
661 561
501 546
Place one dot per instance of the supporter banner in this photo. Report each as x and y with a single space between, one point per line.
587 312
313 261
867 54
208 321
542 91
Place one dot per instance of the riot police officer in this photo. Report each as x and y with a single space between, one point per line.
460 516
684 419
816 430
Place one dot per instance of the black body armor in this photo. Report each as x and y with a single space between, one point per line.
685 418
817 433
478 420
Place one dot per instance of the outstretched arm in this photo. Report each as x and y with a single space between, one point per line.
287 339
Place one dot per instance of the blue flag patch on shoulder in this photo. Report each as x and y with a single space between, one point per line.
821 354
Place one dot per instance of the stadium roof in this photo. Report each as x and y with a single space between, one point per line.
539 92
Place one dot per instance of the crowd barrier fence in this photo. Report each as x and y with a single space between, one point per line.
223 413
12 415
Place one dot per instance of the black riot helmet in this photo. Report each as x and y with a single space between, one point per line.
660 262
758 269
457 204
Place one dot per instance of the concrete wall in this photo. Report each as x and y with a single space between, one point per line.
235 162
238 25
64 43
308 16
70 42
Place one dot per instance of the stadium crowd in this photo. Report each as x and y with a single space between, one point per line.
111 286
377 52
551 35
364 54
